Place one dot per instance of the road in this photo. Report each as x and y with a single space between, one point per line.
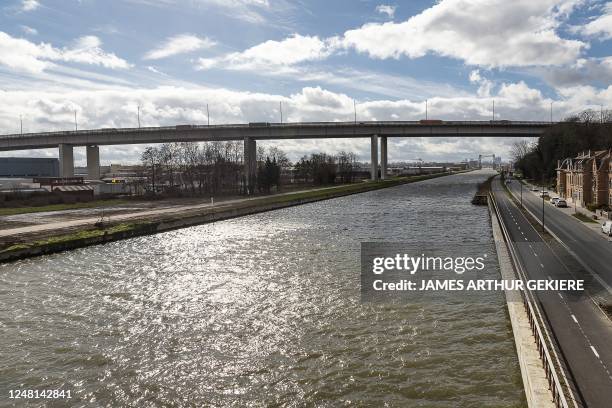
581 330
593 250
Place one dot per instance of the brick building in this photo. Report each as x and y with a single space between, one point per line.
586 178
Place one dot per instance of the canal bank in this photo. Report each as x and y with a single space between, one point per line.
48 241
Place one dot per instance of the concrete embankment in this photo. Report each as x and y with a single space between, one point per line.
537 391
87 236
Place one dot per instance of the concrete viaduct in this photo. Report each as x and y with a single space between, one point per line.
251 132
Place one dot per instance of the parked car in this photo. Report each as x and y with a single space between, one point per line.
544 194
606 228
554 200
561 203
534 188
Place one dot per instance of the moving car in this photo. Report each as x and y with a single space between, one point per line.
561 203
535 189
544 194
554 200
606 228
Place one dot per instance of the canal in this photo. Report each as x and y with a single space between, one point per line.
262 310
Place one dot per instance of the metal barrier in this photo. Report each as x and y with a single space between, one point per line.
535 316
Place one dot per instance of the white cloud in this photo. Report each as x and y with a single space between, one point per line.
21 55
179 44
485 85
386 9
29 5
600 26
584 71
491 33
275 55
29 30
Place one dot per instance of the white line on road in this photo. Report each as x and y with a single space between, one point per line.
574 317
595 352
560 295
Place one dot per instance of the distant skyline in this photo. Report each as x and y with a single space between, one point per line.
243 57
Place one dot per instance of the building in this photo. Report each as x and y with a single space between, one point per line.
586 178
28 167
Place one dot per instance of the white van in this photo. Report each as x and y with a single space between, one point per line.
606 228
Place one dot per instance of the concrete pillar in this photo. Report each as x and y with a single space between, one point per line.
66 159
383 157
93 162
374 157
250 163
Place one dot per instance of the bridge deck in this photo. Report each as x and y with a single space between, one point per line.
304 130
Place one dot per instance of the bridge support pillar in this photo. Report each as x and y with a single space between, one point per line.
383 157
93 162
374 158
66 159
250 164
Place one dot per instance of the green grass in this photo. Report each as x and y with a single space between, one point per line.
60 207
584 218
84 234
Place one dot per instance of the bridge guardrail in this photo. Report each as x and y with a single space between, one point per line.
540 333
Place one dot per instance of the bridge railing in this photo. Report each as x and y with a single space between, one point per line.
550 359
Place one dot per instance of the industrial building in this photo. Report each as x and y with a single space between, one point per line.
28 167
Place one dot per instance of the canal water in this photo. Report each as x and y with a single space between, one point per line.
262 310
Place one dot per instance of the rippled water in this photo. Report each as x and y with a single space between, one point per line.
262 310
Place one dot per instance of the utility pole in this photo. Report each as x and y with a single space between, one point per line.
493 109
138 116
521 193
280 104
75 121
355 110
551 115
601 112
21 124
425 109
542 193
207 115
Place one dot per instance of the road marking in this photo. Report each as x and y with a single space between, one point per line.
542 265
560 295
574 317
595 352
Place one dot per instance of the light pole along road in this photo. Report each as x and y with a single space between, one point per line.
580 329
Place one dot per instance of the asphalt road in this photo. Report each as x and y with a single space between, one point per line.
593 250
582 332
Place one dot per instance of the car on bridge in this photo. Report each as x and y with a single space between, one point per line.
606 228
561 203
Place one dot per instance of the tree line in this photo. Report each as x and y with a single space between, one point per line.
213 168
587 130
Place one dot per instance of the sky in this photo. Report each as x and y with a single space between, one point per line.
243 59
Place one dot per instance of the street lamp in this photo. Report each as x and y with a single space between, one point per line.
542 193
521 193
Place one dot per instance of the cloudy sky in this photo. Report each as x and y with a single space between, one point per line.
104 58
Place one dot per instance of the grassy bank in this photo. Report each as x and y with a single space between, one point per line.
584 218
90 235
